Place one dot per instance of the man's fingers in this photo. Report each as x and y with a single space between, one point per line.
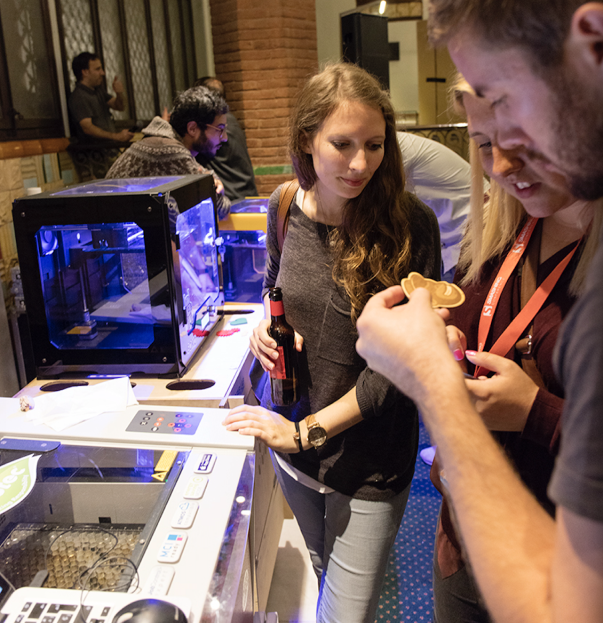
388 298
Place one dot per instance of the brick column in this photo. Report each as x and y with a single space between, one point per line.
264 50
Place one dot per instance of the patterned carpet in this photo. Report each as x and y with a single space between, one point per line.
407 593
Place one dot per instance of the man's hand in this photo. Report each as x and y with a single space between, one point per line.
124 136
89 128
407 343
118 101
118 86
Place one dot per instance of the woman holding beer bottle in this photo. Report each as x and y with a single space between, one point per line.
344 453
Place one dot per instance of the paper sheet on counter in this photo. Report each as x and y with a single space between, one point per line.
65 408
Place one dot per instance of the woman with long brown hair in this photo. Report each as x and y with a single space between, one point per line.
353 231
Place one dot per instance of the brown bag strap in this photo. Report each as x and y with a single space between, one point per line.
288 191
528 287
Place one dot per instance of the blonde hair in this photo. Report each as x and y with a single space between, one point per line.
494 221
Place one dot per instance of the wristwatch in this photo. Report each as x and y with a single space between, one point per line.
317 435
297 437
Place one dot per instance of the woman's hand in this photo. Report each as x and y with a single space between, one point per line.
263 346
504 401
457 342
272 428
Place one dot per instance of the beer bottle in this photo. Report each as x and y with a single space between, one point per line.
284 377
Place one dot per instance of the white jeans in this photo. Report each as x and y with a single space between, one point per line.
349 541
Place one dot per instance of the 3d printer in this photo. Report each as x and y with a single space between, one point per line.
120 276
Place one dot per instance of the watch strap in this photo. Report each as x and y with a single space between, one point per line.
297 437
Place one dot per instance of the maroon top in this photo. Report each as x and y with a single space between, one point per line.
533 450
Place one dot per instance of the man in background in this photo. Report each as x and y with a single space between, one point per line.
90 105
94 150
232 162
441 179
197 125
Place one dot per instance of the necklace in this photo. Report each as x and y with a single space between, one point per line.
320 211
321 214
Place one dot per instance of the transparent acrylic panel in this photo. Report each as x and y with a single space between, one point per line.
161 54
97 293
85 503
244 265
113 54
176 37
140 62
77 30
197 272
245 256
28 61
126 185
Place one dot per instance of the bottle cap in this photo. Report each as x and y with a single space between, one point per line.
275 294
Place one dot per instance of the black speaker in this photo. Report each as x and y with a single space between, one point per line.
364 42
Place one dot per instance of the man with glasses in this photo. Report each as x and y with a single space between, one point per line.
197 125
232 162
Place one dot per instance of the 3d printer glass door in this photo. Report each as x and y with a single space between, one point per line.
197 273
96 289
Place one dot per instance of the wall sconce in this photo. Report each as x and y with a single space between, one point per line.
394 10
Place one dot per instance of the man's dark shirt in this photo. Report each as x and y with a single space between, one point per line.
85 103
232 163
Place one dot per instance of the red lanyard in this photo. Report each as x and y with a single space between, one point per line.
512 333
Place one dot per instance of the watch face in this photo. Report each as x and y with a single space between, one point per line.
317 436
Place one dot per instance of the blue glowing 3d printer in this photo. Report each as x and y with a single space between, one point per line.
120 276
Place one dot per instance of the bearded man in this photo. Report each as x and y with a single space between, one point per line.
197 125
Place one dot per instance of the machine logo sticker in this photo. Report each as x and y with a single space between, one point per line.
17 479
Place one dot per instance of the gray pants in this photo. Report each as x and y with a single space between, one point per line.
456 599
349 541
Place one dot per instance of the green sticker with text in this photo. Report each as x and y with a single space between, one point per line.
17 479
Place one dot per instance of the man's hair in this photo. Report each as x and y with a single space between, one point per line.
211 82
198 104
539 27
81 62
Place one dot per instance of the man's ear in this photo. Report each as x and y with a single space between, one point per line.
192 128
586 35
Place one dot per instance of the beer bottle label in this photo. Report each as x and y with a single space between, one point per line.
277 308
278 372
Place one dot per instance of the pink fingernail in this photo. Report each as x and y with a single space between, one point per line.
470 353
458 354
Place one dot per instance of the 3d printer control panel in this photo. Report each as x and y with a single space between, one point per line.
166 422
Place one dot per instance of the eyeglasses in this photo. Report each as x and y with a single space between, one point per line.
222 131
